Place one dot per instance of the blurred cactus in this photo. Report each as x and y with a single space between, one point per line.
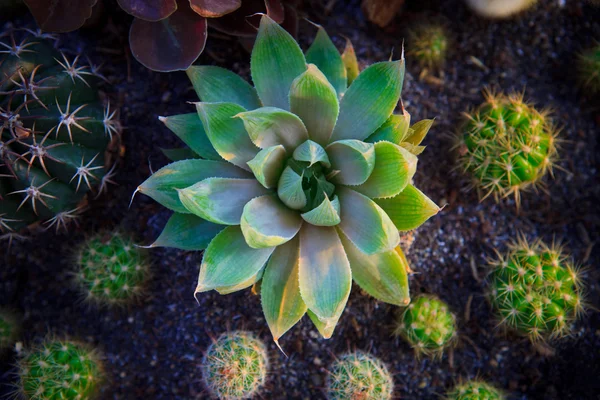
507 145
9 329
235 366
474 390
381 12
111 269
589 68
428 43
59 370
358 376
499 8
427 326
54 133
536 290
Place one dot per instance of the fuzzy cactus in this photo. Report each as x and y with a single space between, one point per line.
507 145
500 8
235 366
54 133
299 173
589 69
359 376
428 43
60 370
9 329
111 269
474 390
536 290
427 325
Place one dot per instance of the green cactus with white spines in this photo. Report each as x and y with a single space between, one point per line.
536 290
235 366
54 133
359 376
9 329
589 69
60 370
428 43
427 325
474 390
111 269
507 146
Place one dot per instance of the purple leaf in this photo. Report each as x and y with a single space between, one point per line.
214 8
149 10
60 15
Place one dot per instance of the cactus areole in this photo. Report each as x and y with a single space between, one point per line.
302 181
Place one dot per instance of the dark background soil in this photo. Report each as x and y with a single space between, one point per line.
152 350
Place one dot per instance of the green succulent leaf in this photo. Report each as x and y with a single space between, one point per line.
324 273
353 159
229 261
282 303
162 186
184 153
243 285
325 328
270 126
315 101
323 53
276 61
365 223
290 190
416 150
410 209
382 275
311 152
189 129
369 101
350 62
220 200
227 134
326 214
187 232
394 168
268 165
394 130
419 131
216 84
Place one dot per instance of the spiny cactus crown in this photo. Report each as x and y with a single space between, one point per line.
9 329
507 145
589 68
427 325
59 370
428 43
359 376
235 366
111 269
536 289
475 390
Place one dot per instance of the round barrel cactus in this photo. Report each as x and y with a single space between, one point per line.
428 43
235 366
54 133
359 376
304 181
589 69
9 329
474 390
507 145
536 290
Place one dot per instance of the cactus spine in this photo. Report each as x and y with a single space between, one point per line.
359 376
475 390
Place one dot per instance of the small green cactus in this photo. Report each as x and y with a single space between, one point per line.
111 269
235 366
428 43
60 370
427 325
589 68
359 376
474 390
9 329
507 145
500 8
536 290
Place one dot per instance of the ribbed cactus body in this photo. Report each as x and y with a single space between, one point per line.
589 68
235 366
359 376
9 329
475 390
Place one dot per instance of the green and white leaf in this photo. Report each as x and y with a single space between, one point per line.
419 131
187 232
325 328
311 152
326 214
241 286
394 130
270 126
189 129
353 159
290 190
410 209
323 53
268 165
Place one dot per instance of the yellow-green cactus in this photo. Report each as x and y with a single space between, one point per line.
475 390
359 376
428 43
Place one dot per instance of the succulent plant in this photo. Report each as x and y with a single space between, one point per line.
589 69
111 269
382 12
507 145
60 370
359 376
428 43
9 329
474 390
288 195
499 8
427 325
54 133
235 366
536 290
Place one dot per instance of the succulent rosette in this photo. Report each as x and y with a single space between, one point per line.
304 181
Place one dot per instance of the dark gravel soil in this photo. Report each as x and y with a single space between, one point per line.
152 350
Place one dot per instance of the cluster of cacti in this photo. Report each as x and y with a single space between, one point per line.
428 43
9 329
507 145
358 376
536 290
500 8
111 269
427 325
235 366
54 133
474 390
59 370
310 176
589 69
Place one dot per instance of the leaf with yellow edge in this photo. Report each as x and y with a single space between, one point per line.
268 165
410 209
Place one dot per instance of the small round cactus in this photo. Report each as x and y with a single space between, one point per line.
9 329
589 68
111 269
359 376
427 325
235 366
507 145
475 390
60 370
500 8
536 290
428 44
